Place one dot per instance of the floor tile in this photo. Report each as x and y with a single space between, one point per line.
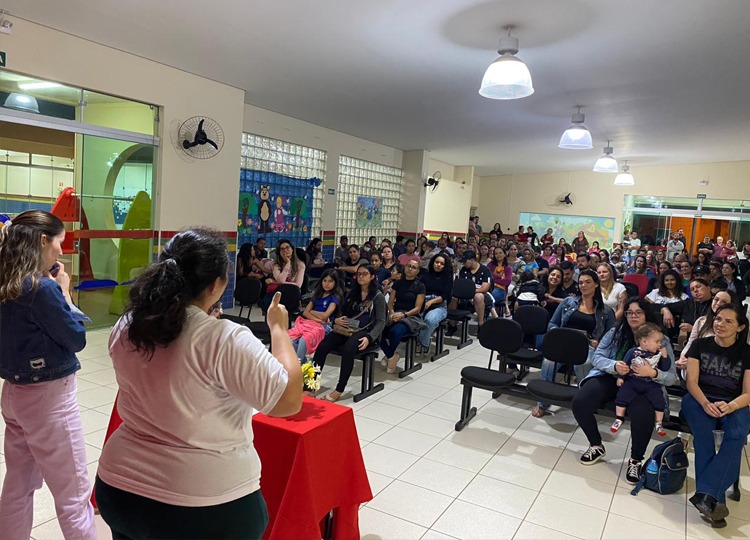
440 380
608 470
374 525
93 421
652 510
369 429
407 441
386 461
567 516
431 425
377 482
385 413
622 528
532 531
410 402
97 397
585 490
520 473
420 388
434 535
410 502
440 409
465 520
499 496
437 476
538 454
697 528
456 455
480 434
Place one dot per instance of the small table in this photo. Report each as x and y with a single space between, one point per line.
311 464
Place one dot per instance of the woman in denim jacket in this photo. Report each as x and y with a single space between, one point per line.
39 336
586 312
600 387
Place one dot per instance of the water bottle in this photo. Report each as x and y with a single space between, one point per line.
652 467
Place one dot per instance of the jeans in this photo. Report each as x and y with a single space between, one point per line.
433 319
392 337
44 440
349 347
549 372
715 473
498 295
300 346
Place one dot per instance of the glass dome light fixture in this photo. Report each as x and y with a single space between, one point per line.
625 178
607 163
21 102
507 77
577 136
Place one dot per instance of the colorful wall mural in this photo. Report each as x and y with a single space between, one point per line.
601 229
274 206
369 212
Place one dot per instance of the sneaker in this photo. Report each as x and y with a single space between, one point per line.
633 474
616 425
660 430
592 455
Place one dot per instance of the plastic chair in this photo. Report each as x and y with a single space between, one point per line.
561 346
533 320
641 280
501 336
463 290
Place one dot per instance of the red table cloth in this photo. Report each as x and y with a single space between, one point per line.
311 464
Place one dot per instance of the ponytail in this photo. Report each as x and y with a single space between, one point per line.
159 297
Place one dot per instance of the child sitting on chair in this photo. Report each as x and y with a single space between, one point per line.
649 351
315 322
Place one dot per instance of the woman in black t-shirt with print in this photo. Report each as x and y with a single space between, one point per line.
406 299
718 382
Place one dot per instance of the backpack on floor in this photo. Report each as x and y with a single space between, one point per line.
666 469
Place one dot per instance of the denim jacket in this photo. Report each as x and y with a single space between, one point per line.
605 317
605 358
39 336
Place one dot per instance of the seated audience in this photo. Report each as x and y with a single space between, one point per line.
438 283
640 267
618 264
529 263
547 238
314 252
484 255
594 247
365 251
502 274
260 248
704 325
406 300
653 283
530 292
670 301
614 294
554 292
364 307
718 384
409 254
381 272
569 285
352 262
287 268
247 264
586 312
580 243
342 252
428 252
600 387
399 248
315 322
443 244
733 281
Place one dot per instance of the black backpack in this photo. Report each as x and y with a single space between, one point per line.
666 469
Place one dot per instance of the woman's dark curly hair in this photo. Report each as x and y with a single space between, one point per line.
191 261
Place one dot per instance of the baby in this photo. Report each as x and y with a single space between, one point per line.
649 351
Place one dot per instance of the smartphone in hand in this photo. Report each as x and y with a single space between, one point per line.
53 271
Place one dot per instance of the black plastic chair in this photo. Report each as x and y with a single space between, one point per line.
367 357
630 288
501 336
463 290
440 349
533 320
290 298
247 292
562 346
411 349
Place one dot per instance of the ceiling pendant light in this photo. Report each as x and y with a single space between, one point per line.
625 178
21 102
607 163
507 77
576 137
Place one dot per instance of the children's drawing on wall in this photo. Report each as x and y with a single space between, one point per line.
369 212
275 206
601 229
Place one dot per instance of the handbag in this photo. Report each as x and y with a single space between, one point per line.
349 331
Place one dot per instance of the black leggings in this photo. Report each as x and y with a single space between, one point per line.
131 517
597 392
349 348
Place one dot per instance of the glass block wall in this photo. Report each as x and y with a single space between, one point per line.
361 184
280 157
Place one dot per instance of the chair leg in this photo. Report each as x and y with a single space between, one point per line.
467 411
409 365
368 378
465 340
440 349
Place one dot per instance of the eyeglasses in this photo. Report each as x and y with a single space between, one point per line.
636 313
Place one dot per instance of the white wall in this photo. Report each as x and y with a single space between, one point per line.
181 195
278 126
447 208
504 197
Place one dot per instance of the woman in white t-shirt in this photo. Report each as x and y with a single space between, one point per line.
613 293
182 464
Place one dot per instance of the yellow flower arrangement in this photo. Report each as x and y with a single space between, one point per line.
310 372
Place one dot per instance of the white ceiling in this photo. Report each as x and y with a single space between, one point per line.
667 81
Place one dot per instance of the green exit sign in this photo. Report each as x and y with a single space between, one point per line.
2 58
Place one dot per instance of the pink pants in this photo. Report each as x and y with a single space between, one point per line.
44 441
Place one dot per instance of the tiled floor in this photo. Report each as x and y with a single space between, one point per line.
507 475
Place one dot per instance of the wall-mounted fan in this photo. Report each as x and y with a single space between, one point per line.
566 199
433 181
200 137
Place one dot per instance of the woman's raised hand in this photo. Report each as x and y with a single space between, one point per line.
277 316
